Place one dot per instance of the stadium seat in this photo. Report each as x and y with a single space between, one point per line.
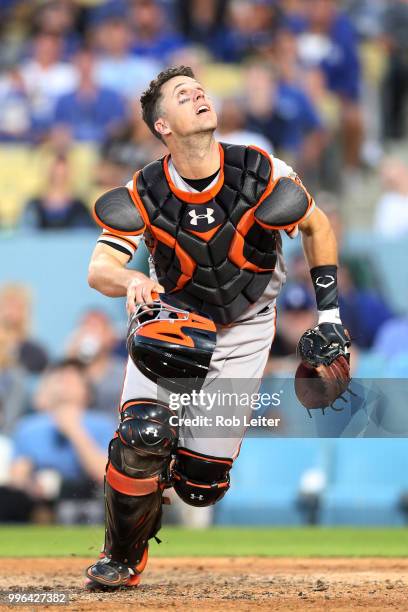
265 481
56 265
370 365
366 481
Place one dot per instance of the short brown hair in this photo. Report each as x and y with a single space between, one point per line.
151 97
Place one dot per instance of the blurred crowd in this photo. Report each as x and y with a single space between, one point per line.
56 417
321 83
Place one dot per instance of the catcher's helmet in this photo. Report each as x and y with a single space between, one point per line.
167 343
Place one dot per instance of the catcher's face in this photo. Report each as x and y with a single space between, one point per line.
185 109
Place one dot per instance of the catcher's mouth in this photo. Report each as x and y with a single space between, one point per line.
204 108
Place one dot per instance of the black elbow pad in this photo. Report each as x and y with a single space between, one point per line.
116 211
285 206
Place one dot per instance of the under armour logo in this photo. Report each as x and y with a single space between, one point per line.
208 215
199 497
153 431
325 284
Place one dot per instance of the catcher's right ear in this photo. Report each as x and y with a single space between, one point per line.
117 211
162 127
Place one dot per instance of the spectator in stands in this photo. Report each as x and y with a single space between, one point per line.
329 165
367 16
153 36
395 86
328 41
292 76
93 344
297 312
129 147
12 389
294 13
362 307
361 265
59 17
116 67
251 28
284 55
198 58
363 311
231 126
281 112
391 217
15 317
62 439
15 116
203 22
46 77
58 207
90 112
105 9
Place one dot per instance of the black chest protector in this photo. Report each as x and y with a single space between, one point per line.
211 249
215 250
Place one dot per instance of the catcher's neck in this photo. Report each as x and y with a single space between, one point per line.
196 157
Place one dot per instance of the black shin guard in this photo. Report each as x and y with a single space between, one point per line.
130 523
136 474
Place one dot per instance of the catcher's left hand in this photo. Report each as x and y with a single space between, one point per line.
324 373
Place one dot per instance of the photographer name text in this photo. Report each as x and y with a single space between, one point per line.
222 421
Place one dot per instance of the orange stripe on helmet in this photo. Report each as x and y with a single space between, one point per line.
172 330
200 322
166 331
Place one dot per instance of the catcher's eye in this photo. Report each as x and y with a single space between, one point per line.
183 97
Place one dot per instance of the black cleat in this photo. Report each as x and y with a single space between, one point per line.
106 573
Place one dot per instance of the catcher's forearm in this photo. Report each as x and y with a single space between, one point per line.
110 278
320 246
319 241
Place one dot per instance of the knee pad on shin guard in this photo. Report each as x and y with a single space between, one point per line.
200 480
142 447
136 474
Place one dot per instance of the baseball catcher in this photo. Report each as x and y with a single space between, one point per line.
211 214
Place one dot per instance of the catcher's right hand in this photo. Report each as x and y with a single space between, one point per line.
324 372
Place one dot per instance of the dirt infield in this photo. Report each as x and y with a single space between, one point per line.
224 584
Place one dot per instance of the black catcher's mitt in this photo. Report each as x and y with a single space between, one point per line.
324 373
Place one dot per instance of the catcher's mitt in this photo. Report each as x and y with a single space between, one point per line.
324 373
